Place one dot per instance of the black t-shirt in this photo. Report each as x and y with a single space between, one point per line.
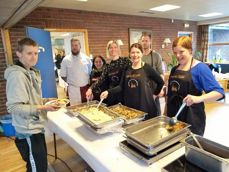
111 77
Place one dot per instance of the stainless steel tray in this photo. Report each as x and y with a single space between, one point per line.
126 148
130 115
214 157
153 132
158 148
114 127
73 110
114 116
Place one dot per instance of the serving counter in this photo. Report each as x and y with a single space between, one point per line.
101 152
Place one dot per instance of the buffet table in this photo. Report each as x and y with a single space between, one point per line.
101 152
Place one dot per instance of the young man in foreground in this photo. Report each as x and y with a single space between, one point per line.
25 103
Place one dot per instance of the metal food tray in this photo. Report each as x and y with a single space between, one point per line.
214 157
153 132
159 147
74 108
115 118
129 149
111 128
140 114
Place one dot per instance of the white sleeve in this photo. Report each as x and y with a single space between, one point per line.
63 69
90 66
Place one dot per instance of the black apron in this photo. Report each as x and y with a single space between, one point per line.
180 85
114 78
95 75
138 93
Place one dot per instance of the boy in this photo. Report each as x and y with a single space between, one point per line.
24 102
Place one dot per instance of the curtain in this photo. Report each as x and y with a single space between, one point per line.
203 39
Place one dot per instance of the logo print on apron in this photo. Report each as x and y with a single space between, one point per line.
132 83
175 86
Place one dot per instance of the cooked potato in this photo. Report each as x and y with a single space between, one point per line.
128 114
95 115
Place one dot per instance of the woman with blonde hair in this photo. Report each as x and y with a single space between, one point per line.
109 56
187 82
112 73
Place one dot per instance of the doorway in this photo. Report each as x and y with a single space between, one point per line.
61 46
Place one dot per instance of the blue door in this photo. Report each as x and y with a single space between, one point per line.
45 61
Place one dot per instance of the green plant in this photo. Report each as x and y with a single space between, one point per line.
172 62
198 55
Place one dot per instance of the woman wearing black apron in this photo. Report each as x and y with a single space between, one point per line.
111 74
135 84
187 81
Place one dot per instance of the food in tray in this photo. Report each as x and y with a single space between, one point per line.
176 127
58 102
95 115
128 114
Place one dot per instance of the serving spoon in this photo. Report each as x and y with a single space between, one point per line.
88 102
100 102
173 120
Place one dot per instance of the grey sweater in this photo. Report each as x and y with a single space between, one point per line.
154 59
23 90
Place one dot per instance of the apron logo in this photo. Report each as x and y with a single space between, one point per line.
132 83
175 86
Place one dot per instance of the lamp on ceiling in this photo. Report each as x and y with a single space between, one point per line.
166 42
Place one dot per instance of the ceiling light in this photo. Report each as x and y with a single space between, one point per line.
82 0
210 14
66 34
165 7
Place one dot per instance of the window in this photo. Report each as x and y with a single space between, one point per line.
218 43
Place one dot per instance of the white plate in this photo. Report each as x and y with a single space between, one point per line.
58 102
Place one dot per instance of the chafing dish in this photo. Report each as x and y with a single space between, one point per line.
101 120
214 157
73 110
129 149
130 115
152 135
114 127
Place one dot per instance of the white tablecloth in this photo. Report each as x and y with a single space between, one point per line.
101 152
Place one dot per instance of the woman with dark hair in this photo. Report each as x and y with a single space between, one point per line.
98 64
135 84
187 81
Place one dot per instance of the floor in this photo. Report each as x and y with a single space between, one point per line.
10 161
